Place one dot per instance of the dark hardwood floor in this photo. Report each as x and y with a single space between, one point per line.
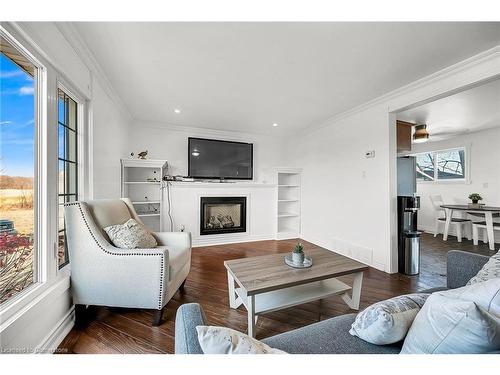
130 331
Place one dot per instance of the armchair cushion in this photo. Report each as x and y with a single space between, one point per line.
130 235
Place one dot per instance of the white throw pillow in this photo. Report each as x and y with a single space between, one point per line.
490 270
388 321
222 340
130 235
462 321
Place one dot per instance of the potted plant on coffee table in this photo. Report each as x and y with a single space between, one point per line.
298 254
475 198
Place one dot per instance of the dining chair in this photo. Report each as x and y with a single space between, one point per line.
440 218
481 225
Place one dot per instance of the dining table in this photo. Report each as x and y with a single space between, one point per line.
486 211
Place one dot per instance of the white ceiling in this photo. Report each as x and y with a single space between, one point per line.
467 111
247 76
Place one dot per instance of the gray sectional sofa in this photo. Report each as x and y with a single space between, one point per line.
330 336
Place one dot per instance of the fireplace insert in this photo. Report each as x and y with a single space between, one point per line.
223 215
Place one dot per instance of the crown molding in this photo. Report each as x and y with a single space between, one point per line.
71 34
480 58
232 134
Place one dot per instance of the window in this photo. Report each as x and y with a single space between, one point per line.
68 164
451 165
425 167
441 165
18 171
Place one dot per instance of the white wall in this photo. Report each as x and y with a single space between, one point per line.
345 196
111 135
348 201
171 143
484 169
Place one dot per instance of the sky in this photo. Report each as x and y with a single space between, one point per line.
16 120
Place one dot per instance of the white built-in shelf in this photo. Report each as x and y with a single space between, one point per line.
142 182
287 214
135 186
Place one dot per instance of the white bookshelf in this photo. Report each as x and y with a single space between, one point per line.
141 181
288 204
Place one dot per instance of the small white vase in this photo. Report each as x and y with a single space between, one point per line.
298 258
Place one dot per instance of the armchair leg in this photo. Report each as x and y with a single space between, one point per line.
81 316
157 317
182 285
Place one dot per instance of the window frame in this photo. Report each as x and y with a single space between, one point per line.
42 226
435 152
81 107
50 278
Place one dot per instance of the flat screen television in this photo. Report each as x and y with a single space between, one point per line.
211 159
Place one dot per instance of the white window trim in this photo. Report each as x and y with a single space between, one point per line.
48 274
42 226
466 180
81 135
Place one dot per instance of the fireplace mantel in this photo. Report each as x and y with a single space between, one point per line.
229 185
261 209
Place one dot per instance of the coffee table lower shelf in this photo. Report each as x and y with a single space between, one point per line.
292 296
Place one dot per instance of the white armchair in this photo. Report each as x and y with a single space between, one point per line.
104 275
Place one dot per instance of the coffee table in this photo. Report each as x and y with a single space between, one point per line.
265 283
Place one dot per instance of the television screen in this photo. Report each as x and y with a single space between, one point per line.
210 158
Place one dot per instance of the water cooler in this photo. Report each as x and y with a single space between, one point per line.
408 235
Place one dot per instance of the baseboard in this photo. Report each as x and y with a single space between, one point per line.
198 242
348 249
51 342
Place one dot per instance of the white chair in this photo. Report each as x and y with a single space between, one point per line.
440 218
104 275
481 225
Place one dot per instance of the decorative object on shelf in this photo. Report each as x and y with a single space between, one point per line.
475 198
131 155
305 264
298 253
152 179
142 155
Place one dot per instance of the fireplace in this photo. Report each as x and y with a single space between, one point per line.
220 215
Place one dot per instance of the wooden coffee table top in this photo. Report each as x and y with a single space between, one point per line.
269 272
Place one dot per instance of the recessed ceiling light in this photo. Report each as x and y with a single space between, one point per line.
177 110
275 124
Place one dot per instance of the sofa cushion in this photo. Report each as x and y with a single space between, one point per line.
329 336
387 322
489 271
222 340
462 321
130 235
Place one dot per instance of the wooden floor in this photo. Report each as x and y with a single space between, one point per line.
130 331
